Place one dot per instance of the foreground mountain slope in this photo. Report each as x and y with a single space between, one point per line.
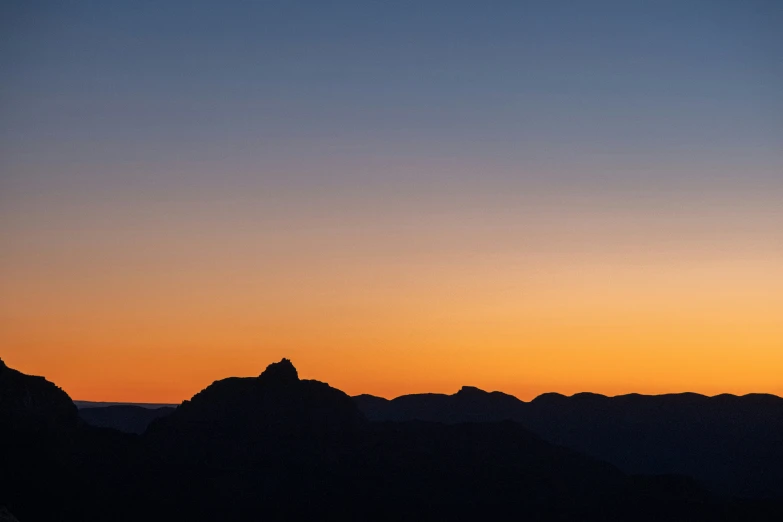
37 423
53 466
32 403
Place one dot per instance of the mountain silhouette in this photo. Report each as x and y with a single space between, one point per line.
275 416
276 403
276 447
731 444
51 463
268 429
33 403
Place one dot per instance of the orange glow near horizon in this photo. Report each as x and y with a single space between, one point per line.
390 322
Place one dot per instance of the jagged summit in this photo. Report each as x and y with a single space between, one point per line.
471 390
282 372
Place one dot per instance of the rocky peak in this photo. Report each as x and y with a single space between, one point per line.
282 372
471 391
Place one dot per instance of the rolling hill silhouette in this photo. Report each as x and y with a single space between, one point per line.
276 447
731 444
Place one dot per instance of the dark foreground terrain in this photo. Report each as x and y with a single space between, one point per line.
276 447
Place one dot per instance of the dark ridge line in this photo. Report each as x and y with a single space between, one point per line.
577 395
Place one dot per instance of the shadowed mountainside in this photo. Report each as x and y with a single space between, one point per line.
5 516
276 447
732 444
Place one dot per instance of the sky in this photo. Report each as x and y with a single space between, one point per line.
401 197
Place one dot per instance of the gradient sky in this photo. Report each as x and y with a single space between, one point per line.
399 196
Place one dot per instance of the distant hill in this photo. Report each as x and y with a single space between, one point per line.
470 404
733 444
149 405
125 417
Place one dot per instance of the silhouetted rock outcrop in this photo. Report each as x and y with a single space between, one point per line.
275 402
282 372
32 403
